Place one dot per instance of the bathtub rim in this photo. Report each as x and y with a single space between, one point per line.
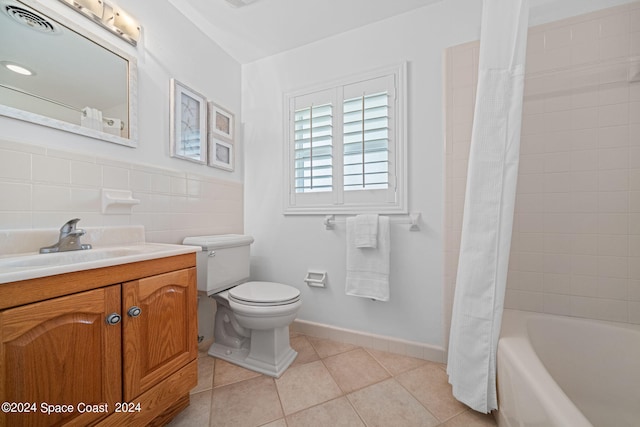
514 340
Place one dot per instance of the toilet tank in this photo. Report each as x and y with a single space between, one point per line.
223 261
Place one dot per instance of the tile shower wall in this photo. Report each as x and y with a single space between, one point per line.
43 188
576 240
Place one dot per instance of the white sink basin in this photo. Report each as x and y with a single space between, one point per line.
70 257
32 265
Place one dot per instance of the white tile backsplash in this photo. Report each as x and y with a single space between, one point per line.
15 165
50 170
44 188
576 244
86 174
16 196
51 198
115 177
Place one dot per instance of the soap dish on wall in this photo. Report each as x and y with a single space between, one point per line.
117 201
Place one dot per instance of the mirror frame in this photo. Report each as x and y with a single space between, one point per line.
132 77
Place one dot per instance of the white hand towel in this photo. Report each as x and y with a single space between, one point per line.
367 231
368 268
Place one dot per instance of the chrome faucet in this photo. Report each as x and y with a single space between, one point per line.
69 239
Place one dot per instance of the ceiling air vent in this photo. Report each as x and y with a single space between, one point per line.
30 19
240 3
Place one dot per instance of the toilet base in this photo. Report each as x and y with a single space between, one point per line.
267 351
242 357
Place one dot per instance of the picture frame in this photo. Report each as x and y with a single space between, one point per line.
188 123
221 154
221 122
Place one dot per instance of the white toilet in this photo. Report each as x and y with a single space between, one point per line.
252 318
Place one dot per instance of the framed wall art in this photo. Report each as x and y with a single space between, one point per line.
220 154
221 122
188 123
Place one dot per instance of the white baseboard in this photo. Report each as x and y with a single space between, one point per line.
376 342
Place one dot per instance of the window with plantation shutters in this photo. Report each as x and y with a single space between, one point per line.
366 142
346 148
313 139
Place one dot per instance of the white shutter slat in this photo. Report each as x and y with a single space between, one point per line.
366 142
313 140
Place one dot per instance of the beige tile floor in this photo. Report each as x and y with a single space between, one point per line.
329 384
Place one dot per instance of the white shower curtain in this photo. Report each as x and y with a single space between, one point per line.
489 204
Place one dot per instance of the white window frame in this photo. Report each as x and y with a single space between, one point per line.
358 201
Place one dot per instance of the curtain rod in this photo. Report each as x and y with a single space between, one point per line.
108 121
44 98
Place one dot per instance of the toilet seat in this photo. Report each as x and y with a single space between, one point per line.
264 294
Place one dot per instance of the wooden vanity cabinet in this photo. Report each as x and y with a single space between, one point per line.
60 352
63 352
160 339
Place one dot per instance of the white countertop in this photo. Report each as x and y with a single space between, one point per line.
33 265
20 259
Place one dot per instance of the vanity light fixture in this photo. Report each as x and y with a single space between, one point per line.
127 27
108 16
94 7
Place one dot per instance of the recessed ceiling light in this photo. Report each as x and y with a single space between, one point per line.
18 69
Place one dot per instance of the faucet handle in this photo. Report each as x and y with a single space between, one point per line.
69 226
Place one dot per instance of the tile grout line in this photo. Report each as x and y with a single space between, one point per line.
343 393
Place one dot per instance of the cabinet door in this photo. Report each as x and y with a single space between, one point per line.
163 337
61 352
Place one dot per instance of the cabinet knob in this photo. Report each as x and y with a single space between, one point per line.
212 253
134 311
113 319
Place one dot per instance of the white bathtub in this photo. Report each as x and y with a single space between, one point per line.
567 372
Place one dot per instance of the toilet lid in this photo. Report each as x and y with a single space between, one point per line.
264 293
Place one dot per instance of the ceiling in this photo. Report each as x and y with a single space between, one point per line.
267 27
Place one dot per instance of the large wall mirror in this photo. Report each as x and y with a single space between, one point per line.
56 74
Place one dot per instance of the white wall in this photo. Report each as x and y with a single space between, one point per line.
171 47
286 247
